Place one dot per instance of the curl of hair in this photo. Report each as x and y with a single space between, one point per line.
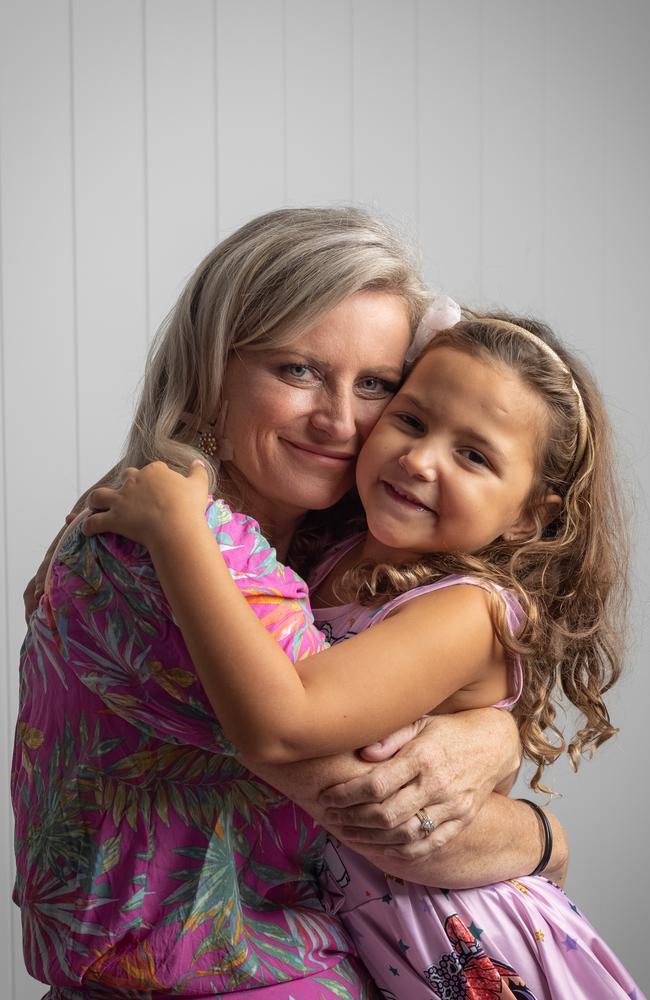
260 288
570 576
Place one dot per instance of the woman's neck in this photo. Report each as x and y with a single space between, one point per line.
278 523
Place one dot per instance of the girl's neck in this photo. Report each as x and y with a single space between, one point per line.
376 552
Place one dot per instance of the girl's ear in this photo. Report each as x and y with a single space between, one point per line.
525 526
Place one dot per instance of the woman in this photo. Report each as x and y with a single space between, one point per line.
149 860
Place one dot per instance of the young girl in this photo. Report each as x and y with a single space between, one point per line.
493 543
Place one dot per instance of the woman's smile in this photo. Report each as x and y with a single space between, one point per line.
322 455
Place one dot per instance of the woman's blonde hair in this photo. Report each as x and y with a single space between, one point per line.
570 575
260 288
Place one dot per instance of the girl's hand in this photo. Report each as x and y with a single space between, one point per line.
150 503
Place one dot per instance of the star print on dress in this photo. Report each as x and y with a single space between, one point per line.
387 898
391 968
476 931
539 935
403 947
570 943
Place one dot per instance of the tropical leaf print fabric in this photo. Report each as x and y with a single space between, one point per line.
150 862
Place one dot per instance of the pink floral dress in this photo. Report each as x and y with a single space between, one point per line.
521 939
150 862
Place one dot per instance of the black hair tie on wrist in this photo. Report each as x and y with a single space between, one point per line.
548 836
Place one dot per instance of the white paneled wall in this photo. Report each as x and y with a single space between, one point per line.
510 139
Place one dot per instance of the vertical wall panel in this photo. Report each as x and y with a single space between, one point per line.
319 109
39 391
449 138
384 96
512 161
577 54
181 126
109 143
604 292
250 110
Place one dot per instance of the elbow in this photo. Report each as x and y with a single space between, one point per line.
265 749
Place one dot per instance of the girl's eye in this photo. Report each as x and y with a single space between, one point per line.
474 457
376 387
410 421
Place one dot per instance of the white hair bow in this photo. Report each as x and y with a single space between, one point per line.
442 314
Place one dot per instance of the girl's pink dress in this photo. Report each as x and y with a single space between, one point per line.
150 862
524 938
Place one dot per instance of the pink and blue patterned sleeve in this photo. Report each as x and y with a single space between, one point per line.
116 633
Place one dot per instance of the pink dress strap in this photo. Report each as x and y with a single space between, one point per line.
329 562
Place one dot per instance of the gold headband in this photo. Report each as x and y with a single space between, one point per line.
548 350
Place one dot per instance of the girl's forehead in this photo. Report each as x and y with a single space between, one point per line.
451 380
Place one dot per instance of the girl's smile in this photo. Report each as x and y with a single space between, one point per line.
452 461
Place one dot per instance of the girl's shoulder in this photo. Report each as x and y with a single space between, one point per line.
515 613
515 616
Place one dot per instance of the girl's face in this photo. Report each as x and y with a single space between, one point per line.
452 460
298 415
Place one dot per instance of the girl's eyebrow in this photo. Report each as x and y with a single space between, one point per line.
475 436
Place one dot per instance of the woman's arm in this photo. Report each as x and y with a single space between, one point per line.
504 840
372 684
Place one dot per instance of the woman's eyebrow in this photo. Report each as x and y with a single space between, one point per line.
392 372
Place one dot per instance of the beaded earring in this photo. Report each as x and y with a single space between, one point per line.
210 436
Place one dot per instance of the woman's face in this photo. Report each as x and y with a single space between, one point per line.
298 415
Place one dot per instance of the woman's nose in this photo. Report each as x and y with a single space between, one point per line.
335 416
419 463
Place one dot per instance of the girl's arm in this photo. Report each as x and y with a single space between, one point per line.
370 685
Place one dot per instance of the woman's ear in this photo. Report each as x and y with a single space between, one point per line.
526 524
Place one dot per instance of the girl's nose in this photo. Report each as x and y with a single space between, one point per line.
419 463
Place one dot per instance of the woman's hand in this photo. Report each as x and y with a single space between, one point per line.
149 503
448 768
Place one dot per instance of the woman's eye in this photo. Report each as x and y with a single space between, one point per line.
301 373
372 386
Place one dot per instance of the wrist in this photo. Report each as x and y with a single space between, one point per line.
170 531
558 866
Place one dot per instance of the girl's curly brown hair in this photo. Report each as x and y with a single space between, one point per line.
570 575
